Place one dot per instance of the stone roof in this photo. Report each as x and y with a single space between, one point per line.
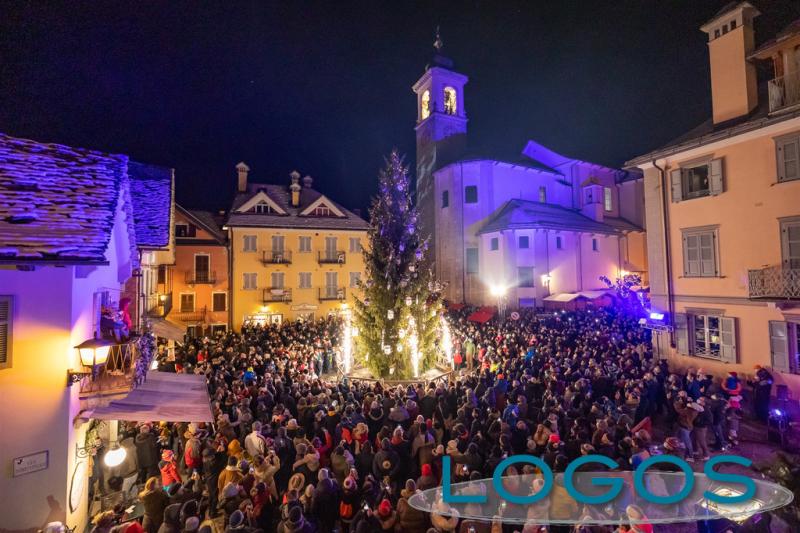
281 196
151 195
526 214
207 220
57 203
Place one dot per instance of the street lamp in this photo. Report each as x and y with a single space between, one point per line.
93 353
115 455
499 292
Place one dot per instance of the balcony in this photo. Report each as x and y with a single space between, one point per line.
332 293
124 369
276 257
774 282
159 305
277 294
331 257
200 277
784 92
198 315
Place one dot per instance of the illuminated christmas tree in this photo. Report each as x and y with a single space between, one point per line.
398 319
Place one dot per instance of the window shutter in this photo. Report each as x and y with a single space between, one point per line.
715 178
728 339
677 185
788 158
5 331
778 346
681 333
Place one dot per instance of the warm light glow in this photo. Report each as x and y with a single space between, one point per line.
413 345
546 279
114 456
425 105
497 291
162 297
349 331
450 102
94 351
264 308
344 306
623 273
447 340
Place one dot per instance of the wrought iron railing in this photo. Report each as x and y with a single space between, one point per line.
125 368
774 282
198 315
277 294
331 257
332 293
784 91
276 257
159 305
196 277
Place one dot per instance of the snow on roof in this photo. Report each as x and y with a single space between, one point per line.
57 203
525 214
151 195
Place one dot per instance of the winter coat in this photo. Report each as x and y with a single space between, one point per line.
231 474
169 473
325 507
154 503
445 524
146 450
411 520
388 523
170 524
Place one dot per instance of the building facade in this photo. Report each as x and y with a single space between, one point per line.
71 244
295 253
723 212
200 284
528 227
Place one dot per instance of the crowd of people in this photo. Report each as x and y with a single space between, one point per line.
293 452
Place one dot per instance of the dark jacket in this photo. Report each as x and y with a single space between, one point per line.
171 519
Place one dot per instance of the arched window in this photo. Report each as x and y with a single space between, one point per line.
450 103
425 105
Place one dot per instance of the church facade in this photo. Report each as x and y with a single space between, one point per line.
542 226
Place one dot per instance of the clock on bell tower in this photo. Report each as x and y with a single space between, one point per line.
441 130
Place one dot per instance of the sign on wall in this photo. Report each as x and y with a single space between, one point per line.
34 462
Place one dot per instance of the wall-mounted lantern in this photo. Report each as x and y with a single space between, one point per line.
93 353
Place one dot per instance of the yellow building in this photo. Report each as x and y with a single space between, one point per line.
722 210
294 252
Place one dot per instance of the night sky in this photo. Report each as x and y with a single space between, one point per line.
325 88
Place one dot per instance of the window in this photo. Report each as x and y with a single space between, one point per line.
355 245
471 194
790 243
472 260
607 200
558 243
706 334
262 208
322 211
219 302
700 253
187 302
277 244
425 105
494 244
6 330
330 249
277 280
524 241
332 284
696 180
250 281
724 29
788 153
162 274
525 276
733 25
191 331
588 195
355 278
183 229
202 268
445 199
250 243
543 194
594 245
450 101
305 280
716 33
218 329
784 346
305 244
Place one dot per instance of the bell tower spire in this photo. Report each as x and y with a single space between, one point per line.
441 129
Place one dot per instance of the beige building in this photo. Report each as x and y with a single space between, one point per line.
294 252
722 207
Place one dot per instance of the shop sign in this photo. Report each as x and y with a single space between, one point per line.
28 464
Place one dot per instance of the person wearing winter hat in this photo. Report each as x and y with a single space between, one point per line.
169 470
410 519
325 508
154 500
236 522
387 516
427 480
231 474
191 525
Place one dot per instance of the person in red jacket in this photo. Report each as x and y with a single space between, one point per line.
169 470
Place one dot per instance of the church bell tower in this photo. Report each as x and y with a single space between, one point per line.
441 131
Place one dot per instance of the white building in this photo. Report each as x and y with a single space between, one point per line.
70 244
537 226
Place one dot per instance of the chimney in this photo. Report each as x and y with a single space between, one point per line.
308 181
295 188
731 39
242 169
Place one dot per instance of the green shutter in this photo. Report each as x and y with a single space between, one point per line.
681 333
727 333
715 181
677 185
778 346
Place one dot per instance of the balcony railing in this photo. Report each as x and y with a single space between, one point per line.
199 276
784 92
774 282
277 294
332 293
198 315
332 257
122 370
276 257
159 305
